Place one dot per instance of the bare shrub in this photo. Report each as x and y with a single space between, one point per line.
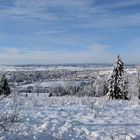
9 115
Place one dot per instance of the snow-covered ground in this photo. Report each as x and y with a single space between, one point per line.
72 118
67 118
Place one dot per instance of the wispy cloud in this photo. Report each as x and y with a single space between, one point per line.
95 53
87 12
66 29
123 4
110 20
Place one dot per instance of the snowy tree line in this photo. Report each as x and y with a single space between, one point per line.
118 85
27 77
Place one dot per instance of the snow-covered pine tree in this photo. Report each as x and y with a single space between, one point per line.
4 87
116 89
138 80
125 87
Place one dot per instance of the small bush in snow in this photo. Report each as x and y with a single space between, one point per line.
61 90
78 89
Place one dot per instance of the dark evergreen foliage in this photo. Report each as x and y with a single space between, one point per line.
4 87
116 82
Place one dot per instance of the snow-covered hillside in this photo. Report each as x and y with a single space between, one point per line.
72 118
35 115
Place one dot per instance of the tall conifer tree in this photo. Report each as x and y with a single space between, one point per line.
116 90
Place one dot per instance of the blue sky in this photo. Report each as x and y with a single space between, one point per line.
69 31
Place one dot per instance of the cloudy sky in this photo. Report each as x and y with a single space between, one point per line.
69 31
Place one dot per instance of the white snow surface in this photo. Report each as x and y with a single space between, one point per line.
72 118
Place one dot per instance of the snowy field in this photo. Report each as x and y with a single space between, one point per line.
72 118
39 117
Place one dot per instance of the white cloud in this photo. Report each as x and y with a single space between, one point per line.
39 9
88 12
111 21
130 51
94 54
123 4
